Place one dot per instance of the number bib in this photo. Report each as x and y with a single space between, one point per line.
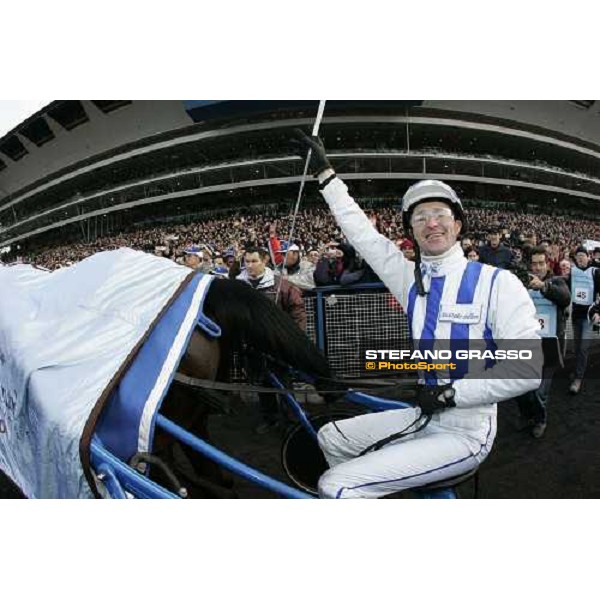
582 286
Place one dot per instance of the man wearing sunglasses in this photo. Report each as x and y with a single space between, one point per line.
451 429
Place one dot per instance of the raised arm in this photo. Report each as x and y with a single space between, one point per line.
380 252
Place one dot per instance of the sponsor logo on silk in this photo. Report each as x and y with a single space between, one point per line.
467 314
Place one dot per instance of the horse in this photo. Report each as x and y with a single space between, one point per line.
133 295
250 322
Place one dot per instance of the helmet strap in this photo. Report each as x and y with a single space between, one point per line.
418 275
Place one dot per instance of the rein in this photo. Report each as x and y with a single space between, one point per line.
209 384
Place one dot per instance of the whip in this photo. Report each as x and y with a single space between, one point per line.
315 131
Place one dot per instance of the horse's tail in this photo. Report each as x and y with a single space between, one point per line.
249 318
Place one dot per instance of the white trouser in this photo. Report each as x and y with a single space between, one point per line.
432 454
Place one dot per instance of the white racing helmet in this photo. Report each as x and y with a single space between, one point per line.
431 189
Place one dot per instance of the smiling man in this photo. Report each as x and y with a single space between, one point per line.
452 427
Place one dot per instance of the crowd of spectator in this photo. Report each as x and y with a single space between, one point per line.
318 238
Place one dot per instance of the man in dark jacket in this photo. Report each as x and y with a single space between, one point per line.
533 406
289 299
330 267
264 279
340 265
495 253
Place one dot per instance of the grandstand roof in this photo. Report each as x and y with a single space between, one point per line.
102 160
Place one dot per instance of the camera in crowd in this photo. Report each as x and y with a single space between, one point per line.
522 273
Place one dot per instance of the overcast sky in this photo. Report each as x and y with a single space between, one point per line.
13 112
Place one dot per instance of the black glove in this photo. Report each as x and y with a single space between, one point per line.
301 143
435 398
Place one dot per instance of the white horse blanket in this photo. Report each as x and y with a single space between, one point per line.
63 336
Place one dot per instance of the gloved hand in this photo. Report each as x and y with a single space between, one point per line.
301 143
435 398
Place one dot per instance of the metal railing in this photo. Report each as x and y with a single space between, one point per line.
344 321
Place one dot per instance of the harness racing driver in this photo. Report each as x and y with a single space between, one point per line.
446 297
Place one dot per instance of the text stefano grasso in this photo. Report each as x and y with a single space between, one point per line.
448 354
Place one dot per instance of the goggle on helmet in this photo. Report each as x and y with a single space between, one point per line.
431 189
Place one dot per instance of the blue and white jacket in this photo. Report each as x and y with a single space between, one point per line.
475 302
